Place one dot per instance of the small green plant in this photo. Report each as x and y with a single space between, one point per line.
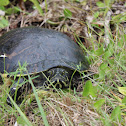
3 21
4 2
67 13
5 12
89 89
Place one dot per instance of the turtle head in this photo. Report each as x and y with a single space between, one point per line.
59 77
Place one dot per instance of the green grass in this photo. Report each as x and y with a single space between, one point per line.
38 102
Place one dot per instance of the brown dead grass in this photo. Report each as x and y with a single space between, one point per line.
62 111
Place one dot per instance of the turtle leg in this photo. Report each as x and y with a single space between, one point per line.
5 79
16 92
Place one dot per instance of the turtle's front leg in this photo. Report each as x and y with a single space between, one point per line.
17 90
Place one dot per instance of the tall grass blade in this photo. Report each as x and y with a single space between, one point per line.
38 102
28 123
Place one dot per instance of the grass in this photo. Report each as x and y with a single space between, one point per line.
102 99
38 102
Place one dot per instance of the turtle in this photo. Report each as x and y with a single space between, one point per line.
49 54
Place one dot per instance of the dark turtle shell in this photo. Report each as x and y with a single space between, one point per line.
41 48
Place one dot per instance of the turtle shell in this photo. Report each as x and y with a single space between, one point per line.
41 49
